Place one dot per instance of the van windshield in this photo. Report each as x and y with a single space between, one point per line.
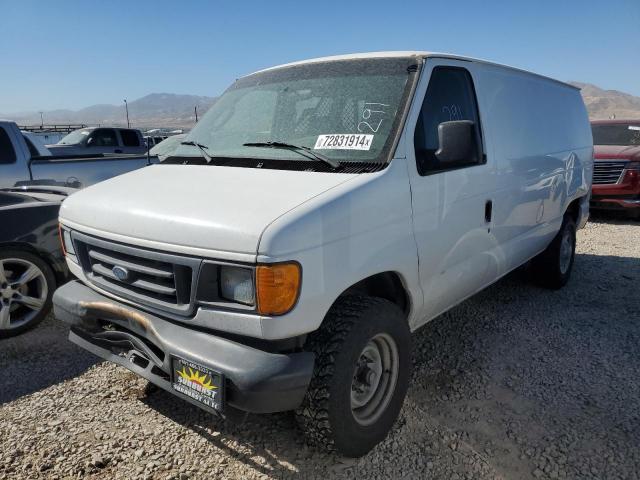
75 137
616 134
346 110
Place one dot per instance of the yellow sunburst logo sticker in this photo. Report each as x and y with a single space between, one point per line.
197 378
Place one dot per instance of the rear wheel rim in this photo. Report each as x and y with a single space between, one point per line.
566 251
374 379
23 292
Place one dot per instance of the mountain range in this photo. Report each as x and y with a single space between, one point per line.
603 104
169 110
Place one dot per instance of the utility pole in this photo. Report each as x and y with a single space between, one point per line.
126 107
41 119
195 109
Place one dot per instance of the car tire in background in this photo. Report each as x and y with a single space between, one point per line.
552 268
361 374
26 287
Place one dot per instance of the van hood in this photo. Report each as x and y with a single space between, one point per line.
199 206
631 152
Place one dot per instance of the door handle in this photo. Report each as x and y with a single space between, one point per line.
118 150
488 211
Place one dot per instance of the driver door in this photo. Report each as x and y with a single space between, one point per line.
452 203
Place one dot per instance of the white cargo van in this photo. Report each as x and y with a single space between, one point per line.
318 214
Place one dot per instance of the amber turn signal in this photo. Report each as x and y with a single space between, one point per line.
277 287
64 250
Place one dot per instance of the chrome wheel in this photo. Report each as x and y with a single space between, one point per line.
374 379
23 292
566 251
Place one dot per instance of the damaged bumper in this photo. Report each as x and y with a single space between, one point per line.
255 380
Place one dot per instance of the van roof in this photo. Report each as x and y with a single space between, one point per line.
409 53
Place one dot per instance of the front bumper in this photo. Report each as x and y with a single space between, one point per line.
613 203
256 381
624 195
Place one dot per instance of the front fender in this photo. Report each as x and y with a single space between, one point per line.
356 230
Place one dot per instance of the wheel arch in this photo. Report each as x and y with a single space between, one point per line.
59 273
578 208
573 209
388 285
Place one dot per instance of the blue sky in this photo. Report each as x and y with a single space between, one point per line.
70 54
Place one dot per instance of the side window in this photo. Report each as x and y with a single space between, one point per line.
103 138
130 138
450 97
33 151
7 153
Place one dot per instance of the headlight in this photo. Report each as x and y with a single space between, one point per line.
268 289
236 285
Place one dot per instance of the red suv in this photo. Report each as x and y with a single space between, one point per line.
616 171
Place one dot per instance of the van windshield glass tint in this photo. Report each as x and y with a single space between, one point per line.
618 134
345 110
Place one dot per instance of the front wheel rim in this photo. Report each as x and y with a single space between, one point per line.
23 292
374 379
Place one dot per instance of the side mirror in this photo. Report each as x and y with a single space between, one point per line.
90 141
456 142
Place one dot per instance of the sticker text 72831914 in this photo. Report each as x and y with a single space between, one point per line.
347 141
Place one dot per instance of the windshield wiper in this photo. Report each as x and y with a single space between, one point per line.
203 149
295 148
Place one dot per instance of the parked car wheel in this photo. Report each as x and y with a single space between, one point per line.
552 268
361 375
26 287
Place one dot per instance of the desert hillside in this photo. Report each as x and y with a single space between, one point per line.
604 104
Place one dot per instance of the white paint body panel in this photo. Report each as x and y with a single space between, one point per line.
343 228
196 206
530 179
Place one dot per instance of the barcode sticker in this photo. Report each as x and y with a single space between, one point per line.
347 141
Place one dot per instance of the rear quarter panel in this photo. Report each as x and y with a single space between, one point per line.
34 226
543 151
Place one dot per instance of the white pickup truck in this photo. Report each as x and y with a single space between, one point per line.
318 214
93 140
21 162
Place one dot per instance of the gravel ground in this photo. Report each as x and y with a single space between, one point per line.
517 382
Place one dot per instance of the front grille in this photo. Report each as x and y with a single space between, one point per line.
607 171
152 278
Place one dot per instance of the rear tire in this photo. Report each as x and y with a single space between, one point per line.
360 378
26 287
552 268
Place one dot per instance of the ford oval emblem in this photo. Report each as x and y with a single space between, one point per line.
121 273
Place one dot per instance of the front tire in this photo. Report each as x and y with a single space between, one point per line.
552 268
361 375
26 287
